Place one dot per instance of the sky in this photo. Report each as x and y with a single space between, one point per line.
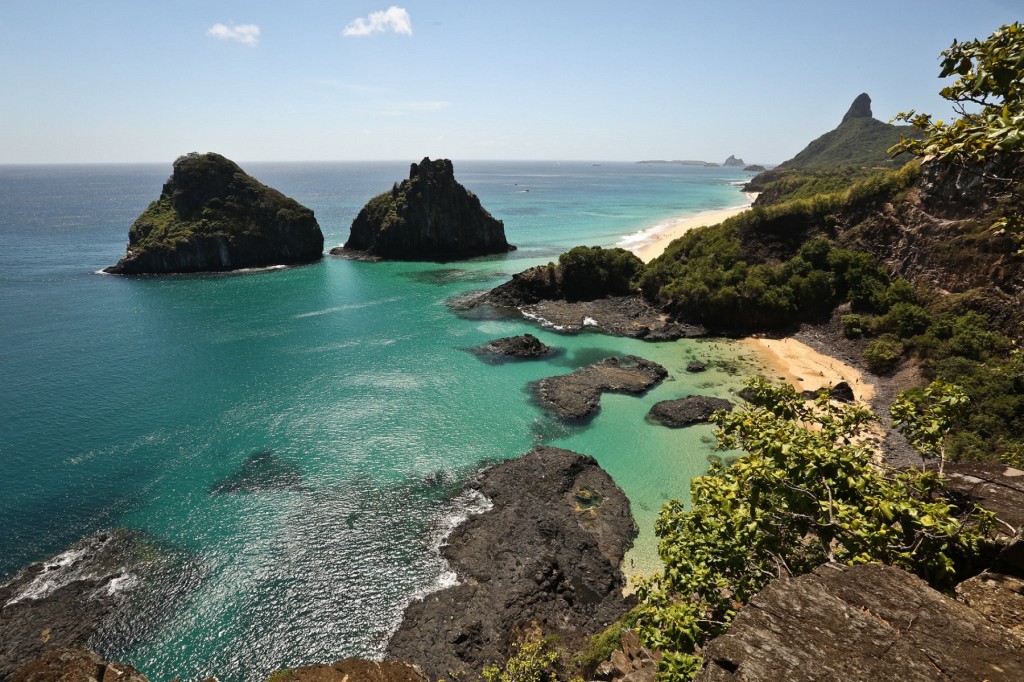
141 81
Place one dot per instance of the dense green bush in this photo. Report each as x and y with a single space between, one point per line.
854 326
805 493
590 272
884 353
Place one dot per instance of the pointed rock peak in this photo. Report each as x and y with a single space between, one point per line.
861 108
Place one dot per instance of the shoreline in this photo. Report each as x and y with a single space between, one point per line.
650 242
808 369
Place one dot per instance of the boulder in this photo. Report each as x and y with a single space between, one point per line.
578 395
523 346
547 552
430 216
696 366
868 622
842 392
861 108
212 216
694 409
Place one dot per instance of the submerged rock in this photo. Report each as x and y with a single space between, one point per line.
523 346
578 395
262 471
869 622
694 409
430 216
547 552
212 216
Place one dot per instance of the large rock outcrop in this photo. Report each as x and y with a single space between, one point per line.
212 216
869 622
861 108
547 552
578 395
430 216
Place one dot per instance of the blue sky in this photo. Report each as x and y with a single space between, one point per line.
106 81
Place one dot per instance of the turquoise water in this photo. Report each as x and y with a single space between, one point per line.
151 402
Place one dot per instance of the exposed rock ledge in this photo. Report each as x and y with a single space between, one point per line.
537 294
523 346
868 622
547 552
578 395
693 409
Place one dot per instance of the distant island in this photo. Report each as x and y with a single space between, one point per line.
731 162
212 216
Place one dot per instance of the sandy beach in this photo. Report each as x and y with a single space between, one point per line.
809 370
650 243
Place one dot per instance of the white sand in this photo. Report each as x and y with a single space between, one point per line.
650 243
808 370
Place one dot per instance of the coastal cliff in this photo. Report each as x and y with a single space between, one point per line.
430 216
212 216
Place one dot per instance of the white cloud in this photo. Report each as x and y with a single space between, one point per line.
392 19
247 34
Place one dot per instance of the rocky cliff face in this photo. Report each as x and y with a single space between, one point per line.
548 552
212 216
430 216
861 108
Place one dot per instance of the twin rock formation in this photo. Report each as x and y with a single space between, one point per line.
211 216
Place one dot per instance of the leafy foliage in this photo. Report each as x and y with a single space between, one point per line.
534 660
590 272
805 493
988 97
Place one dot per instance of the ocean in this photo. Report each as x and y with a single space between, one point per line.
298 438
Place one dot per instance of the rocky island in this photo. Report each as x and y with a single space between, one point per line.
212 216
430 216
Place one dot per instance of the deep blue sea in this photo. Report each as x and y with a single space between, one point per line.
300 435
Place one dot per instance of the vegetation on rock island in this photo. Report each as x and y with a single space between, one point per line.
806 492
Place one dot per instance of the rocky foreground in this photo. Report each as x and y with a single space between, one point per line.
548 552
212 216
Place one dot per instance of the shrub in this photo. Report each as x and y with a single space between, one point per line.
591 272
806 492
854 326
884 353
905 320
533 660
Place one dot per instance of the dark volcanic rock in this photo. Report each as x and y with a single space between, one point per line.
430 216
842 392
524 346
694 409
861 108
868 622
100 589
212 216
548 552
997 488
998 597
75 665
353 670
578 395
696 366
